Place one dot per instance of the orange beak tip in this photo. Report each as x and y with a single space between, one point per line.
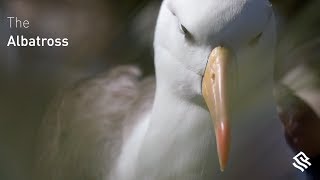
223 139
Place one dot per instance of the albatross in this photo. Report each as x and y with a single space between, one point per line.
209 109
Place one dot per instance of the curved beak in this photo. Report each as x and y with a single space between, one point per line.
215 91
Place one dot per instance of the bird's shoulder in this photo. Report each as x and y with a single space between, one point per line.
108 92
84 122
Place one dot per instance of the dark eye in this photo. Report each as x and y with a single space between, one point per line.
255 40
183 29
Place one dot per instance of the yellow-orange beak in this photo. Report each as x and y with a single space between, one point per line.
215 92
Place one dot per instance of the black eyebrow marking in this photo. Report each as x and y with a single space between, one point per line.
255 40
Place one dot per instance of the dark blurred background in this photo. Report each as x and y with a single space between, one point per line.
103 34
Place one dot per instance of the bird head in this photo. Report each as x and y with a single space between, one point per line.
229 44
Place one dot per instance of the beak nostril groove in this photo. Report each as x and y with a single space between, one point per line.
213 77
